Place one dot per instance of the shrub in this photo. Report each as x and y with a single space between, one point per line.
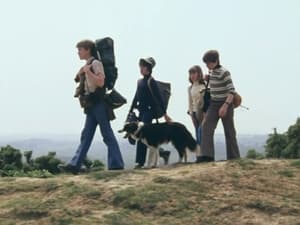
48 162
10 158
253 154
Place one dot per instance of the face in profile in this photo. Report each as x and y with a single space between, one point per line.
83 53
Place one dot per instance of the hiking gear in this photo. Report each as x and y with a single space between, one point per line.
203 159
237 100
165 92
105 53
114 99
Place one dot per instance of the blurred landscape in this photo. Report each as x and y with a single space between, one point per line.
65 146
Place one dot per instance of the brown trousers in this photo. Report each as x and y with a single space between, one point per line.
208 130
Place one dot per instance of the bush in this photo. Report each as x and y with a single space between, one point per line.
253 154
275 145
48 162
10 158
285 145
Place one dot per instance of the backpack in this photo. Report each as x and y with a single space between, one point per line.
105 53
165 92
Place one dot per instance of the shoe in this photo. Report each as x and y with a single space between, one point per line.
120 168
68 168
204 159
165 155
138 166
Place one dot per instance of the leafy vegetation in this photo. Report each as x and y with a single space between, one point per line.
12 165
286 145
253 154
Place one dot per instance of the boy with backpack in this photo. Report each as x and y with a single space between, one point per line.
92 100
146 98
221 107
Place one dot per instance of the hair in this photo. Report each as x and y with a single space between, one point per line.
196 69
145 64
88 45
211 56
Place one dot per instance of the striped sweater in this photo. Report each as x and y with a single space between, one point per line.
220 84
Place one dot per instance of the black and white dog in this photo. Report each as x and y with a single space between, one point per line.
153 135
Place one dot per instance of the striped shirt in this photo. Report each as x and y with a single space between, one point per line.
220 84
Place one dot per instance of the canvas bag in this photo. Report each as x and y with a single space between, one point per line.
165 92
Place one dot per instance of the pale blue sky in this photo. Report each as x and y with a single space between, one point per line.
258 42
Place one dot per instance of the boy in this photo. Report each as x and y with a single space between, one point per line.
144 102
96 111
222 93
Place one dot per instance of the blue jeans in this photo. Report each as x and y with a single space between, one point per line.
97 115
198 134
141 150
197 125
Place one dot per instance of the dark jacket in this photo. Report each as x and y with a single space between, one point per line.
143 99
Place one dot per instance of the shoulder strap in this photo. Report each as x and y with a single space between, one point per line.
149 86
206 85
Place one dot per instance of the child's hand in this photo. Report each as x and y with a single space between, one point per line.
223 110
86 68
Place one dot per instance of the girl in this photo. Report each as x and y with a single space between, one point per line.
196 99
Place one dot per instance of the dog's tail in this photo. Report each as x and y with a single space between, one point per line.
194 146
191 142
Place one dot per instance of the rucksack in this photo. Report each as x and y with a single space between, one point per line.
105 53
165 92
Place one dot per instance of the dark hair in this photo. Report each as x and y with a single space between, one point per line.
88 45
145 64
211 56
196 69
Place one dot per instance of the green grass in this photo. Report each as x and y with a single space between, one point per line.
286 173
109 175
296 163
264 206
72 189
202 194
245 164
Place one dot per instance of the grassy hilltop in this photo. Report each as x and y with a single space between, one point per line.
242 192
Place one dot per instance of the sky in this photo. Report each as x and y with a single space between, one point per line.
258 42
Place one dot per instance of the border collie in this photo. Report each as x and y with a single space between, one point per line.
153 135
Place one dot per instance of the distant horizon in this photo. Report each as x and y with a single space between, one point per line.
42 135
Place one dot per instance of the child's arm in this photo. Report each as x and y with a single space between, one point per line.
79 75
97 75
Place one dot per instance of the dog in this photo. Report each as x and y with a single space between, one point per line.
154 135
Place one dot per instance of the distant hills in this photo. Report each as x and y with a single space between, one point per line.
65 146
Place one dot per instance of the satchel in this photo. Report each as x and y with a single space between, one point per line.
114 99
164 89
85 101
237 100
